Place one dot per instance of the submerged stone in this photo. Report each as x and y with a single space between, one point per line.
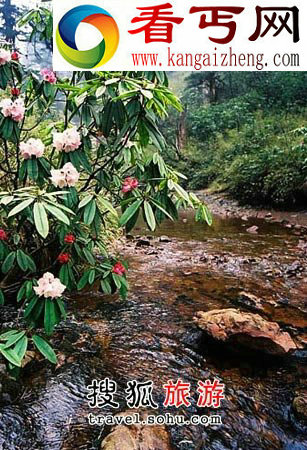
137 437
246 329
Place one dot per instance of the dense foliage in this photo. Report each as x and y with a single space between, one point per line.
245 133
73 152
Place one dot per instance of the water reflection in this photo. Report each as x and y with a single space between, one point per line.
33 55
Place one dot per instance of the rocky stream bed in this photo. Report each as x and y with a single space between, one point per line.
183 269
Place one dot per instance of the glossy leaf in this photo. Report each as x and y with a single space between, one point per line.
44 348
41 219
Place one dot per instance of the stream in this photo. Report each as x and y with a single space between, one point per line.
183 268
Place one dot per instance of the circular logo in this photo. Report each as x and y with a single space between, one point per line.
66 36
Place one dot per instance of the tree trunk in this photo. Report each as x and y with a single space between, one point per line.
181 136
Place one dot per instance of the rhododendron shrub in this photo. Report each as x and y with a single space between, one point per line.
65 172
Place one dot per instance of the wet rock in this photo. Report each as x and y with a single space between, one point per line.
152 252
299 406
143 243
137 437
295 268
302 246
165 239
250 301
245 329
253 229
9 387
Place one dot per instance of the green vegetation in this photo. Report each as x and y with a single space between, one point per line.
244 132
75 151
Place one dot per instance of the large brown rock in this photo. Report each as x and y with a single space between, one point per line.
246 329
137 437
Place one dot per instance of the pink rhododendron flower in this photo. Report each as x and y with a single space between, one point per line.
6 107
49 286
68 141
67 176
130 184
34 147
14 109
5 56
119 269
18 110
49 76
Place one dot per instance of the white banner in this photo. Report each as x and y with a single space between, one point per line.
212 35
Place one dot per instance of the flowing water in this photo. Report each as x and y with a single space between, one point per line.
151 336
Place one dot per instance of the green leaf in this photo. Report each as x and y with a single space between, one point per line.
132 221
8 262
89 212
149 215
7 334
36 314
56 212
106 287
50 319
155 135
11 356
181 192
21 347
32 168
1 298
22 260
89 256
31 263
58 205
41 220
64 275
85 201
129 212
30 306
7 128
108 206
12 339
160 207
7 200
44 348
21 292
83 281
84 161
91 277
23 205
61 306
117 281
207 215
29 289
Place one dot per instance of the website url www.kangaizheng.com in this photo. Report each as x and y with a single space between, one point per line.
229 59
162 419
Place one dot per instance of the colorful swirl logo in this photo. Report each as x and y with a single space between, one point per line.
66 36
